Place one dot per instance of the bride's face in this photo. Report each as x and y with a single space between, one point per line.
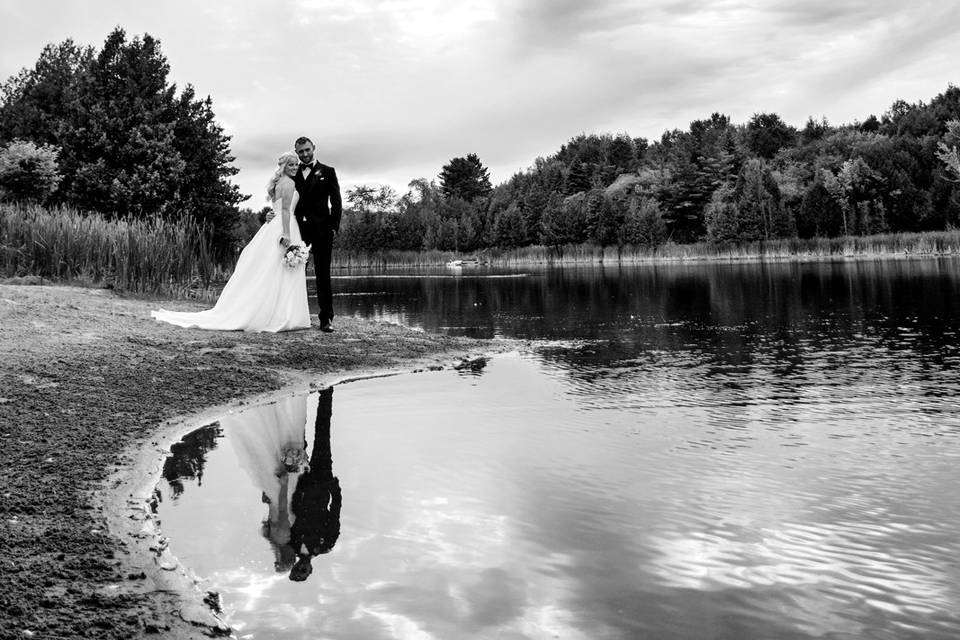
290 167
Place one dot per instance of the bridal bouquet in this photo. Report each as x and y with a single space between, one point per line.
294 459
296 255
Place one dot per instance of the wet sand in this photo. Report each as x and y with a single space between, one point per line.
92 392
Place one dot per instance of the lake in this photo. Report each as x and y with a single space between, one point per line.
730 451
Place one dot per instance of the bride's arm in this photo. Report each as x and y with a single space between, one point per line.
287 189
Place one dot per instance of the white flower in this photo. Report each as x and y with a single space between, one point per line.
296 255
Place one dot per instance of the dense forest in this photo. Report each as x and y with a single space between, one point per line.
716 181
104 131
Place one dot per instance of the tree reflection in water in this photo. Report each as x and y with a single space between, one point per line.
188 456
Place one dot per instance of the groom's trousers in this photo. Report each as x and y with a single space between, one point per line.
322 251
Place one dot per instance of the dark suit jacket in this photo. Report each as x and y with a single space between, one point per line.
319 207
316 504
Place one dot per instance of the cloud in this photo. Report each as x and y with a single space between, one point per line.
392 89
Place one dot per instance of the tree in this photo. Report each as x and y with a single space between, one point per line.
508 228
28 171
204 191
870 125
815 130
37 104
120 157
546 179
643 223
604 216
759 209
577 178
766 134
362 198
851 189
750 209
563 221
820 215
591 149
721 216
947 149
621 154
465 178
791 178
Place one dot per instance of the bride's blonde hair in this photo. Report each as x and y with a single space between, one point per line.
275 178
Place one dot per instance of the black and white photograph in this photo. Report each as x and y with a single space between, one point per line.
479 320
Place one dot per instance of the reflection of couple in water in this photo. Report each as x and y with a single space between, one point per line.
273 450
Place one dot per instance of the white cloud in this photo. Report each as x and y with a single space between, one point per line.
392 89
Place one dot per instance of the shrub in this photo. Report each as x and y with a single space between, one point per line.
28 171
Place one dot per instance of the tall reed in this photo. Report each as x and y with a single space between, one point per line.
137 255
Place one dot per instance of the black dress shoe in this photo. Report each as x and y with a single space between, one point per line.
326 327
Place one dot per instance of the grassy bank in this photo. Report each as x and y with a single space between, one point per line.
152 256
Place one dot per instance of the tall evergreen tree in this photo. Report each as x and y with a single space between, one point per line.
577 178
465 178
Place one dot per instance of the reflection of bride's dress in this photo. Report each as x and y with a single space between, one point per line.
260 437
263 294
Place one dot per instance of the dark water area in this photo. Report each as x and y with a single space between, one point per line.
706 451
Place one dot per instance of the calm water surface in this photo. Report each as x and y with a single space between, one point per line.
732 451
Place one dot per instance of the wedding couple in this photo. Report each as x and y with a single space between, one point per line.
267 291
302 494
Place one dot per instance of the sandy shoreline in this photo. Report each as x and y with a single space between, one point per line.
92 393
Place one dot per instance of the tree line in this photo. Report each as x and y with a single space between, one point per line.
716 181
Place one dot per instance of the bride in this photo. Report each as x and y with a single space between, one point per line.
270 444
264 293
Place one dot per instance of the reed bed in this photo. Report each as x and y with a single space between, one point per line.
147 256
929 243
390 258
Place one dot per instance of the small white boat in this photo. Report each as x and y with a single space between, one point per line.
463 262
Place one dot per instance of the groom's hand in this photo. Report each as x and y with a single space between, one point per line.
271 215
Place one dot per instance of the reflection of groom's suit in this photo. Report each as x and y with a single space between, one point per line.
316 500
318 216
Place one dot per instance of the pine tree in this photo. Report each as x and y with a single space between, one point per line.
465 178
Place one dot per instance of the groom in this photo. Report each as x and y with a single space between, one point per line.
317 499
318 216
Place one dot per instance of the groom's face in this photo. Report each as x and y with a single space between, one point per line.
305 152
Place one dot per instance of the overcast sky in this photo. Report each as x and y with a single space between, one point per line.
390 90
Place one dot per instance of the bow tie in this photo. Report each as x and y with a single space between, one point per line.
305 166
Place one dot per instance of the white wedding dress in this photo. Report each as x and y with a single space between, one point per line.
263 294
262 438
